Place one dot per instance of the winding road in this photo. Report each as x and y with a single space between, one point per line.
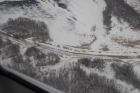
68 52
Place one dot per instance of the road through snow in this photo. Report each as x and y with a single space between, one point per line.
69 53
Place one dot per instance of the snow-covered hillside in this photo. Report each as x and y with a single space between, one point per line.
92 24
55 41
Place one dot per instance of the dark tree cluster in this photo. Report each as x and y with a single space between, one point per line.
96 63
38 55
12 50
18 3
17 59
121 10
62 5
126 73
75 80
1 45
1 42
25 27
57 1
25 67
4 44
9 49
42 58
18 63
107 14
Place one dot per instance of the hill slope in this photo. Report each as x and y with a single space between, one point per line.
107 26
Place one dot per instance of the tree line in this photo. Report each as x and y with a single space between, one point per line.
120 10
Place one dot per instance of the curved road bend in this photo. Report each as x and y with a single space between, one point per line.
66 52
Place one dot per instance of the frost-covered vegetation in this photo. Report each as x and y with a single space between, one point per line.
24 27
41 58
75 80
96 63
121 10
17 3
72 77
8 49
12 51
126 73
63 21
75 26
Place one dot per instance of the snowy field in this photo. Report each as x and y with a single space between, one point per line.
79 26
76 31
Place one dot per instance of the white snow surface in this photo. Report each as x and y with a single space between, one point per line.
74 26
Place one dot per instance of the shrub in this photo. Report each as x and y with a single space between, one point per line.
37 54
104 47
10 3
42 58
1 42
17 59
52 58
11 50
120 10
62 5
97 63
85 61
32 51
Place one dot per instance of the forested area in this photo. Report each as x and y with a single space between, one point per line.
21 3
126 73
75 80
120 10
8 49
72 79
24 27
96 63
22 61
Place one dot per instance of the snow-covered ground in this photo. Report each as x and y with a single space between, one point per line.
80 23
